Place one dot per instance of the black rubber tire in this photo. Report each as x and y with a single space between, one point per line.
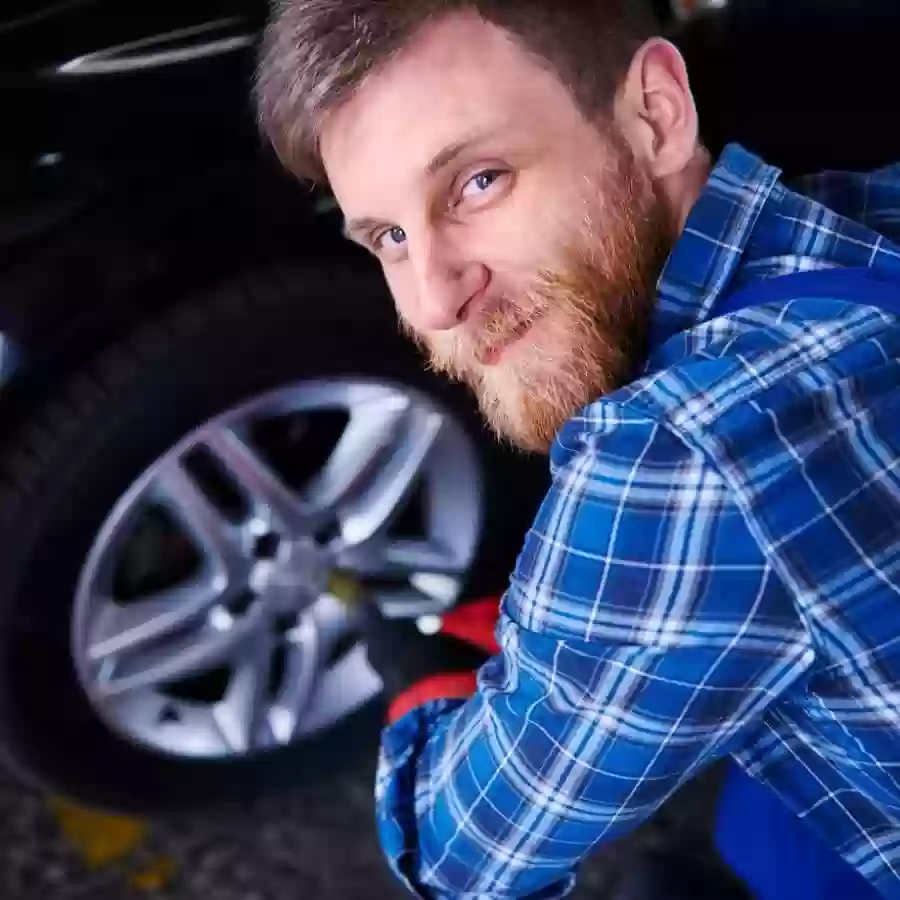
62 473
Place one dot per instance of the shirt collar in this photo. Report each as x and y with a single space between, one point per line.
715 235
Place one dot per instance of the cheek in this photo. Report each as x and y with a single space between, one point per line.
530 233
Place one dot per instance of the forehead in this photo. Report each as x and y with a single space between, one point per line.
459 77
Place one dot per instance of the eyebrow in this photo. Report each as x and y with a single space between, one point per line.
439 161
352 228
444 157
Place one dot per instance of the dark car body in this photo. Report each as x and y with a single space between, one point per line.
131 171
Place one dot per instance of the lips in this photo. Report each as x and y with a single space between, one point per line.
491 354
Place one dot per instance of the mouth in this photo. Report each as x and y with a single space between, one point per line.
492 354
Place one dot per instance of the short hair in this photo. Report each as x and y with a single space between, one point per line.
316 53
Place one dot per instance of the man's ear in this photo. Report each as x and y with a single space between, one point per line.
656 111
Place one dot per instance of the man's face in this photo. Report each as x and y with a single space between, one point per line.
521 242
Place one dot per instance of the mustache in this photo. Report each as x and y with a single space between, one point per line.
577 287
462 350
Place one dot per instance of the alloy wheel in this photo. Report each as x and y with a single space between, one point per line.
213 617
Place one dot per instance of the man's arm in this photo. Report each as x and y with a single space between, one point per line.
643 635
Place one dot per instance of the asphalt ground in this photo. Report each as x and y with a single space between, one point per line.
315 841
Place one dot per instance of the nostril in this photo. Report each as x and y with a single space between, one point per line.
450 295
464 311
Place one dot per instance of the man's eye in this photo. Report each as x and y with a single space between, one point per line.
481 182
389 239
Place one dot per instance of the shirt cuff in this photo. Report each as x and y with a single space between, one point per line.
398 830
400 773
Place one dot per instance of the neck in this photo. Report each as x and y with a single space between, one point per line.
682 191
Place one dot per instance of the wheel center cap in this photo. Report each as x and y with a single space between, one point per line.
296 576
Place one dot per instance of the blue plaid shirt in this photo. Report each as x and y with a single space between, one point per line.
715 571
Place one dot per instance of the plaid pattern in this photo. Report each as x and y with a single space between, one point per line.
715 570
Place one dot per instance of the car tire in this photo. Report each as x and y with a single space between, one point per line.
66 468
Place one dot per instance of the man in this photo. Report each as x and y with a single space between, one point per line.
714 570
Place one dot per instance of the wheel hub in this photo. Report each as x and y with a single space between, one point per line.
294 578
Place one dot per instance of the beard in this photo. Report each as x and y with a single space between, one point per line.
587 317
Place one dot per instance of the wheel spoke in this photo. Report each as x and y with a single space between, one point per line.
241 714
423 556
416 600
398 557
309 645
272 499
301 674
180 728
118 628
370 434
370 513
332 619
180 493
350 683
185 655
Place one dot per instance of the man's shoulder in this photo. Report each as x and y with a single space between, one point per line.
869 198
709 380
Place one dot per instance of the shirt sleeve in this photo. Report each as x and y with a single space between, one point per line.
642 636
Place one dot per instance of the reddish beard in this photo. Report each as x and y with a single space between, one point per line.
590 316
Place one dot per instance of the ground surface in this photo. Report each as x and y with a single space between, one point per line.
311 842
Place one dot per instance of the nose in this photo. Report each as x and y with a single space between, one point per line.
449 288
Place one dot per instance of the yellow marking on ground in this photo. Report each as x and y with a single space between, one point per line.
99 838
104 840
154 876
